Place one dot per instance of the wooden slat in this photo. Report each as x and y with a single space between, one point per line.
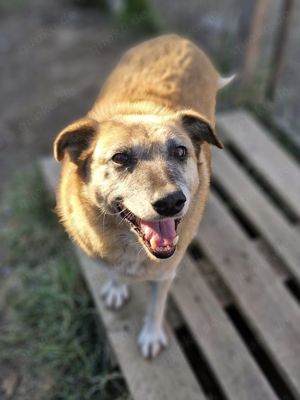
254 204
237 373
272 313
254 14
167 377
214 281
263 153
274 261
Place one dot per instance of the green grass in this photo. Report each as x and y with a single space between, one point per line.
139 16
11 5
52 326
131 15
100 4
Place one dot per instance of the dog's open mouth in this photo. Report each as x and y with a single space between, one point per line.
160 237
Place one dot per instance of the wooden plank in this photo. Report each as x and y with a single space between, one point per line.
254 204
213 280
240 379
273 259
167 377
272 313
258 11
251 139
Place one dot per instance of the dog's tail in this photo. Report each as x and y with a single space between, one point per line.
224 81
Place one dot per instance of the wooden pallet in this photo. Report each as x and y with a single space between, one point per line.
236 331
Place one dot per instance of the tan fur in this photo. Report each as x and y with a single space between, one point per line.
165 74
153 85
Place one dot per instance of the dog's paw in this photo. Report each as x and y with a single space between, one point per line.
151 342
114 295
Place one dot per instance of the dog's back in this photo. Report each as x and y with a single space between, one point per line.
170 72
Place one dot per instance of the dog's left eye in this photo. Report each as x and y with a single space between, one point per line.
180 152
120 158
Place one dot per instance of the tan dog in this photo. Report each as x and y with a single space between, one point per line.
136 170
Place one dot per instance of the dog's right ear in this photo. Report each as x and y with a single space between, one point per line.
75 138
200 130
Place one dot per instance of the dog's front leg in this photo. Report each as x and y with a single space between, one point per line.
152 338
114 292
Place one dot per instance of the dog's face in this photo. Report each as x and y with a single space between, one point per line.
142 169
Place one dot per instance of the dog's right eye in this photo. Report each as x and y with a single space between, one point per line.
120 158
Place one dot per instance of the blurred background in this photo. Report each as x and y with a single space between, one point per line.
55 55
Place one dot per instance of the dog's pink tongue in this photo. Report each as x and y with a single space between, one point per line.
159 234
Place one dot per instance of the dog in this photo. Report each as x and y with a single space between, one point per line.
135 171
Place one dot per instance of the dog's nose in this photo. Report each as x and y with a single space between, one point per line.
170 204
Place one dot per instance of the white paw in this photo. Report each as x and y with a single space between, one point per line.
114 295
152 341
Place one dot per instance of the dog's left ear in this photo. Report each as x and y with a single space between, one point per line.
74 139
200 131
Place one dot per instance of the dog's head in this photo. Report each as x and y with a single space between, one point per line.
144 169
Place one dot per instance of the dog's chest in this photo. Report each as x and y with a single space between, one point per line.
133 269
135 264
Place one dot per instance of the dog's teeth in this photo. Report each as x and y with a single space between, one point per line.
175 241
164 248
